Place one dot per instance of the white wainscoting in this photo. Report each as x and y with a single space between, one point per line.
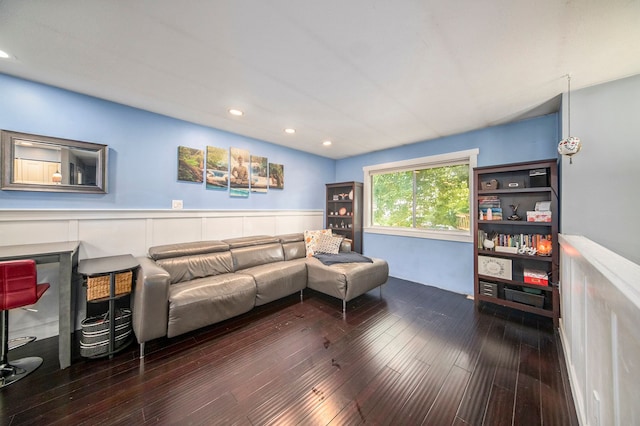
114 232
600 331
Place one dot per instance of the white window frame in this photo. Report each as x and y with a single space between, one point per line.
469 157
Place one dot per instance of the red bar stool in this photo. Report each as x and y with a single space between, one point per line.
18 288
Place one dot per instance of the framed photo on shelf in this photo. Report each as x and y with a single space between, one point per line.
495 267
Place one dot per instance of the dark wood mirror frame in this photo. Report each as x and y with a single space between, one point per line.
28 161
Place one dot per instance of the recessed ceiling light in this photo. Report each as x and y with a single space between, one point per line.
327 143
3 54
236 112
290 131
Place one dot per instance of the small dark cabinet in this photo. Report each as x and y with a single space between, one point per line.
107 328
343 214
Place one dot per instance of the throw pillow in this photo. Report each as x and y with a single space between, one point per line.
328 244
311 238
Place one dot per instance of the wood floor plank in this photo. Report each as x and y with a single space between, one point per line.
356 412
443 411
552 386
474 403
390 408
508 359
419 354
500 407
528 410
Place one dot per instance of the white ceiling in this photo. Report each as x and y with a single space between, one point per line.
366 74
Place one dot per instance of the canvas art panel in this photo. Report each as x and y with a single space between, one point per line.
276 176
259 169
217 168
190 164
239 176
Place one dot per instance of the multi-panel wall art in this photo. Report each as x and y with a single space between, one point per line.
234 170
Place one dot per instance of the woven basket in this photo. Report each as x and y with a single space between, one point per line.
94 340
90 350
98 286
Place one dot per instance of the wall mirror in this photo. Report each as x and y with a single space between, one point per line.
43 163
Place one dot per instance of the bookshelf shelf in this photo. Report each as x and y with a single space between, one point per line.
512 191
527 257
514 223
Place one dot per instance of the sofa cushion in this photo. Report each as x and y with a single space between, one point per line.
293 246
186 249
295 250
279 279
254 255
186 268
205 301
328 244
346 281
311 239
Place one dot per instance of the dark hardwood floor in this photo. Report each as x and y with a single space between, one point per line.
419 355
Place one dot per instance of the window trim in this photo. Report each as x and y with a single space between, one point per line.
469 157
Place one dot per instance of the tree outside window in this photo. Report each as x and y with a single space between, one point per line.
432 198
424 197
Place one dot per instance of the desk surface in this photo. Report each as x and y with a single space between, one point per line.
105 265
42 249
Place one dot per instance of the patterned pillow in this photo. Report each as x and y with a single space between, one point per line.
311 238
328 244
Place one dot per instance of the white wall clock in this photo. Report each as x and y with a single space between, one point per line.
494 267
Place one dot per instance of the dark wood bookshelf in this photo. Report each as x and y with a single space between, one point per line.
534 182
343 214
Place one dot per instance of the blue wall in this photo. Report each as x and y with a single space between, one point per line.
448 264
143 168
143 149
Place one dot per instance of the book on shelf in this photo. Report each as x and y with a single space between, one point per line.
489 213
511 243
489 208
504 249
489 202
481 237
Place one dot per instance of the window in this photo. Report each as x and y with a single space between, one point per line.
426 197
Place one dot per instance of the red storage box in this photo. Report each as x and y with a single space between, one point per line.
535 276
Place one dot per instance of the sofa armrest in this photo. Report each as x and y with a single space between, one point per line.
150 301
346 245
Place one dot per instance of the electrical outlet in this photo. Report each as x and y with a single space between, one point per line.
176 204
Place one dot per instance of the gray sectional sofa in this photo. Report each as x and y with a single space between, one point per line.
182 287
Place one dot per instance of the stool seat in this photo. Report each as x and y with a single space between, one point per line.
18 287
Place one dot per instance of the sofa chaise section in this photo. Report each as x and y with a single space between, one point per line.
346 281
